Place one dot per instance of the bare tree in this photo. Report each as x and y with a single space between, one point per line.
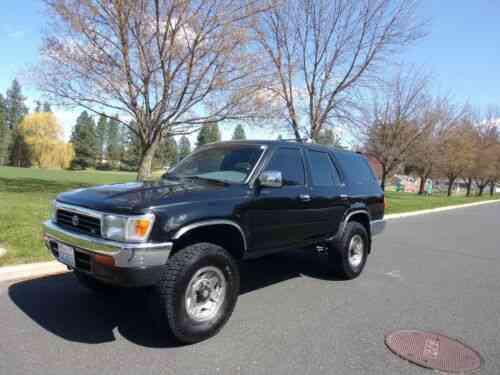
396 119
168 66
422 158
483 169
440 116
489 131
456 151
321 52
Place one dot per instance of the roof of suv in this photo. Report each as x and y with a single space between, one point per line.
283 143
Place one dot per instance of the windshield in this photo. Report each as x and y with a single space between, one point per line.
228 163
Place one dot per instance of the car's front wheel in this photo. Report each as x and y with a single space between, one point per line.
347 255
197 292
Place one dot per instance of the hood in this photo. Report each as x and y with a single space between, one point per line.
136 197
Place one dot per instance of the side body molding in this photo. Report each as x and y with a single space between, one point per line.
205 223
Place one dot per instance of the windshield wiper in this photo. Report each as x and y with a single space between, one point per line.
169 176
196 177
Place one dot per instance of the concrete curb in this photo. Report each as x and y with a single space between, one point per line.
439 209
27 271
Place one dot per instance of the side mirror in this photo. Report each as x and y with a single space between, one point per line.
271 179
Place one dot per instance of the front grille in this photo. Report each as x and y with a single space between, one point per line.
78 222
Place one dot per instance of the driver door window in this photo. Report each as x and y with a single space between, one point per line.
289 162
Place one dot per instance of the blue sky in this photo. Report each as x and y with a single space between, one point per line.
462 50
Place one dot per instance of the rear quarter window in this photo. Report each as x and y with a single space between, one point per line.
356 169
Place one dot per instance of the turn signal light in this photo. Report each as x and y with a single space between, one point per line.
141 227
105 260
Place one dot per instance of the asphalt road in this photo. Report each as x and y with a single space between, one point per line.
438 272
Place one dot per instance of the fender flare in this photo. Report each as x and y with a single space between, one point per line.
348 217
187 228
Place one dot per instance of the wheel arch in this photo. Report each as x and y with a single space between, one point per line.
225 233
362 217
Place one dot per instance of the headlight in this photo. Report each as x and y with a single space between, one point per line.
127 228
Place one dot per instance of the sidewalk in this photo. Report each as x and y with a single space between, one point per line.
28 271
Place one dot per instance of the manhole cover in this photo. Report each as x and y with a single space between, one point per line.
433 351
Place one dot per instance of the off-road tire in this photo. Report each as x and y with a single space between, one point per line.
95 285
338 252
168 296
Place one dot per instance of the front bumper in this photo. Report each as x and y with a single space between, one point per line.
128 264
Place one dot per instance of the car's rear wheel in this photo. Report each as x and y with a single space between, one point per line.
197 292
347 255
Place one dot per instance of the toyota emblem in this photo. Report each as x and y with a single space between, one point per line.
75 220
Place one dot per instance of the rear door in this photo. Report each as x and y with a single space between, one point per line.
328 197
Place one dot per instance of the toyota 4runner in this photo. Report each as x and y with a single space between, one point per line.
184 235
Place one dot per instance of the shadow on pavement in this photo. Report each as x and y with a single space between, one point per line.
61 306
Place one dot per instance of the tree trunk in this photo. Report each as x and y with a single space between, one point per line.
146 161
492 188
383 178
422 185
451 181
295 127
469 186
481 189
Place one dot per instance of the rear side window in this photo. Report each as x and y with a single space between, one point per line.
289 162
356 168
323 171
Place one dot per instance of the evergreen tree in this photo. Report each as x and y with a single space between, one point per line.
203 135
123 135
84 142
113 140
15 105
208 133
166 153
132 149
171 151
101 138
16 109
47 107
214 133
239 133
184 147
327 137
4 133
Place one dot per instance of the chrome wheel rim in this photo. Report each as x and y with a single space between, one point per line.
205 294
356 251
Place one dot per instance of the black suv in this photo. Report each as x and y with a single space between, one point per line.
226 202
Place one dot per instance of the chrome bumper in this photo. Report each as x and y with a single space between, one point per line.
377 227
127 255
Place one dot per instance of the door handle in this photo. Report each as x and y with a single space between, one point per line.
305 197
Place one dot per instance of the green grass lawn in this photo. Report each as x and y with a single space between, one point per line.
407 202
25 196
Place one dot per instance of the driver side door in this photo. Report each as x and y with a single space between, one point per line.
277 213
